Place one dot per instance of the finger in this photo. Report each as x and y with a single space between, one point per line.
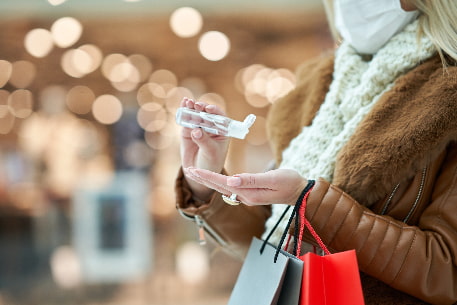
214 109
261 180
252 196
184 102
200 106
189 103
209 143
218 185
211 177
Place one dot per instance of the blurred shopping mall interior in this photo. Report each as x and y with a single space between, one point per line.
89 147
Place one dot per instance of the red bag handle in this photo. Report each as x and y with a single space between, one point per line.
304 222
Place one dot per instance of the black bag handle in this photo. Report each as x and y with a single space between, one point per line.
286 230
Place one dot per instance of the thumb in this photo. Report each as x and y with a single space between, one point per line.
206 142
200 137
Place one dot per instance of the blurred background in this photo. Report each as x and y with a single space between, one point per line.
89 148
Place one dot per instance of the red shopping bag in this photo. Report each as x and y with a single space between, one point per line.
331 279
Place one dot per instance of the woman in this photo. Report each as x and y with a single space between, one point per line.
375 124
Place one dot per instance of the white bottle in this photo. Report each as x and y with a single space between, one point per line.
214 123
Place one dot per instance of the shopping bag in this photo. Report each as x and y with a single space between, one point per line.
291 287
269 275
331 279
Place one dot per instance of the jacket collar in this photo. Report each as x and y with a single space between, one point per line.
409 127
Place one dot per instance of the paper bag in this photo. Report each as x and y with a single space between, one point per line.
332 279
262 281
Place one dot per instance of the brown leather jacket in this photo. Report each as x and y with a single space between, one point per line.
394 193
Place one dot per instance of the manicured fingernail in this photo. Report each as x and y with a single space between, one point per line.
197 133
234 181
190 171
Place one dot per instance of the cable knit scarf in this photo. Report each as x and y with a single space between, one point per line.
356 86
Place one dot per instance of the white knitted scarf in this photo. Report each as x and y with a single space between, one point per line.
356 86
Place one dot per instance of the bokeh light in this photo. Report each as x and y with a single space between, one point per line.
39 42
124 72
81 61
158 141
6 68
79 99
262 85
107 109
192 263
93 57
109 64
152 117
56 2
186 22
23 73
213 98
20 103
163 76
67 63
214 45
175 97
4 109
6 123
6 117
142 64
125 77
66 267
145 93
66 31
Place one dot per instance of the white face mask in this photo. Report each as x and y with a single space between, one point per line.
368 24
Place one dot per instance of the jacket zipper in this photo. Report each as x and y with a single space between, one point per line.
413 207
203 228
418 197
386 205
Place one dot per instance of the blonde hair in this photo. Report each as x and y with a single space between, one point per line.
438 20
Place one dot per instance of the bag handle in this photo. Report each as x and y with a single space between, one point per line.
300 200
273 229
304 222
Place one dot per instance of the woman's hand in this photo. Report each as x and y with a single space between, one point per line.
275 186
201 149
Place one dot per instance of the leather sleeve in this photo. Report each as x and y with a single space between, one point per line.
418 260
231 227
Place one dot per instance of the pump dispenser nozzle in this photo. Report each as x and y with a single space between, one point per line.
214 123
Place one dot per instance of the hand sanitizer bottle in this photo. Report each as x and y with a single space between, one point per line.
214 123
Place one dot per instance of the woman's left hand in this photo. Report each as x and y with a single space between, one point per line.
275 186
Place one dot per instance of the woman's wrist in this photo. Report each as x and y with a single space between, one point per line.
200 193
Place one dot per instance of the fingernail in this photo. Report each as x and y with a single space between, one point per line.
234 181
197 133
190 171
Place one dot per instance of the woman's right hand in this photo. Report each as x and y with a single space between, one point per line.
201 149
